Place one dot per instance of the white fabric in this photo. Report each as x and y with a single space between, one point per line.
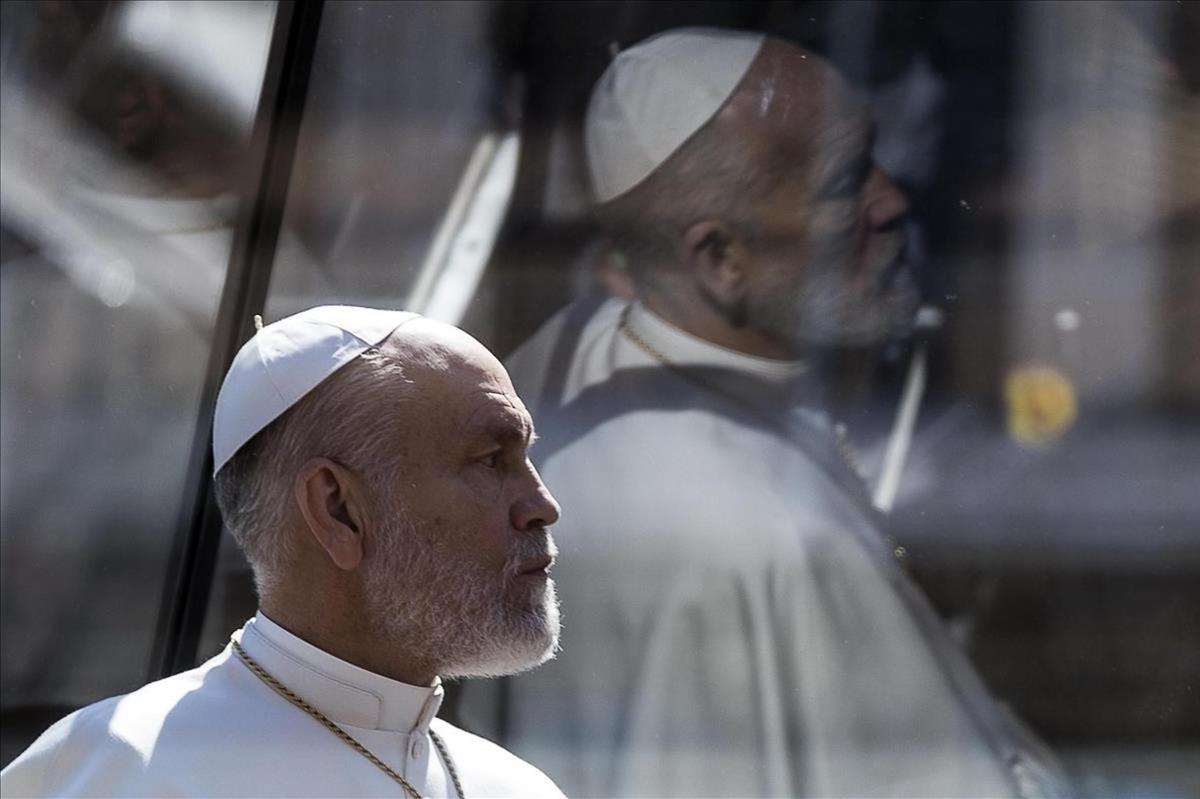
286 360
218 730
734 624
654 96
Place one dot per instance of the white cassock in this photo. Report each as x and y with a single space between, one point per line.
218 730
734 623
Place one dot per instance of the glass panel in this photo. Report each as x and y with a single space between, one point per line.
1030 436
125 131
402 176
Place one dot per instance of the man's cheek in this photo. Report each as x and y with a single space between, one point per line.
834 217
834 229
483 485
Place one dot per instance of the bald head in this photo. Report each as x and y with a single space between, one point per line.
792 90
434 352
788 106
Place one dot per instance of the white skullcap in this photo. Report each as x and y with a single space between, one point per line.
654 96
287 359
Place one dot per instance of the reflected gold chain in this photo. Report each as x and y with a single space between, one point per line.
348 739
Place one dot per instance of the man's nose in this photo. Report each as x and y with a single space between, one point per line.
537 508
884 202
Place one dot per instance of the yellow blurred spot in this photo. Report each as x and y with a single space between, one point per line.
1041 404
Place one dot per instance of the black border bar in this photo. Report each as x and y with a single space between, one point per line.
272 152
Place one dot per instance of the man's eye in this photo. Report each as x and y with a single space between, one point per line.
846 184
491 460
849 182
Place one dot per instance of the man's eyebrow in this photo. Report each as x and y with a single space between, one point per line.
507 429
845 144
863 147
864 141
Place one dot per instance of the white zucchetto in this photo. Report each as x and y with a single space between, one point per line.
287 359
654 96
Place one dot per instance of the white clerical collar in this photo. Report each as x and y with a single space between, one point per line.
684 349
342 691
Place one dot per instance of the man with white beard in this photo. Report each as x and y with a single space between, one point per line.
372 465
738 622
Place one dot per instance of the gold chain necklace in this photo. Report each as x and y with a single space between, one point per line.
841 441
349 740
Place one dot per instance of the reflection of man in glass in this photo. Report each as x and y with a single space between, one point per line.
735 621
117 67
119 199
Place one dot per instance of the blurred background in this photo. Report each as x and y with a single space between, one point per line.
170 168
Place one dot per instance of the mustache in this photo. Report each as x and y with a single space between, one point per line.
892 263
841 252
530 548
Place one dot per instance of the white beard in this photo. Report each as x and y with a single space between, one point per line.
832 314
450 612
825 309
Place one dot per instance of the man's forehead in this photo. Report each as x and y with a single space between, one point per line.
454 376
499 411
797 104
840 112
848 134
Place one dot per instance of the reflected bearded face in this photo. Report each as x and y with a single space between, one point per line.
830 254
479 621
838 293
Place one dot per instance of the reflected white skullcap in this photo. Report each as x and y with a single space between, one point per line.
287 359
654 96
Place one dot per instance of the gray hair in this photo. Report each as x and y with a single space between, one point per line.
335 420
712 176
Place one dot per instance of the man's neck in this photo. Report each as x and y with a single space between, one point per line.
699 319
345 641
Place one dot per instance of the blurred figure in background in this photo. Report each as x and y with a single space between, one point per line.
737 623
125 137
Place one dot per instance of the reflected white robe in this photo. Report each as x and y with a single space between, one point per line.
218 730
734 622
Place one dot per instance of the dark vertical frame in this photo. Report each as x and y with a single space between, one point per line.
272 151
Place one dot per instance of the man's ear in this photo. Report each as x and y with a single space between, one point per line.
332 500
719 262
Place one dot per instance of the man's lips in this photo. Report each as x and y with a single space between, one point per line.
536 567
879 270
